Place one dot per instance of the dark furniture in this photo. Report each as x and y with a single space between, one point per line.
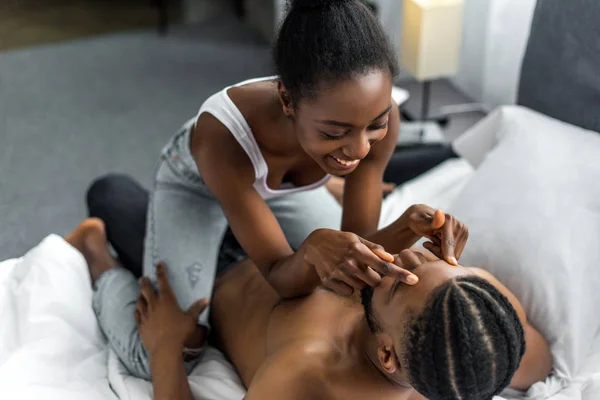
162 8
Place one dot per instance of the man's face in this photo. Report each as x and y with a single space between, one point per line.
389 306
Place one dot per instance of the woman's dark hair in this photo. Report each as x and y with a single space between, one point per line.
326 41
466 345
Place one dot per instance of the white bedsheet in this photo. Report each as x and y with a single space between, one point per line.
51 345
439 187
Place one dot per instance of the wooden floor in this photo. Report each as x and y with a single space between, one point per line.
33 22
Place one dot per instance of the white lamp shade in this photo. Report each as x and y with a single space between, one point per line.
431 37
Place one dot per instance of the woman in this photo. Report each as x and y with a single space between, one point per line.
256 158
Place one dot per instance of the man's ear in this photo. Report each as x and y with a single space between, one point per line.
388 358
286 100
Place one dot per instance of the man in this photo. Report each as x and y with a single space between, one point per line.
457 334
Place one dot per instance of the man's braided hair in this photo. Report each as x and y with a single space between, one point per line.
467 343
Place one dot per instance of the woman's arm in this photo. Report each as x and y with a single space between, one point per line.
229 174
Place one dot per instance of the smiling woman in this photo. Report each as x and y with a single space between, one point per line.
256 158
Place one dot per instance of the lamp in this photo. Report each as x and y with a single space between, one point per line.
431 38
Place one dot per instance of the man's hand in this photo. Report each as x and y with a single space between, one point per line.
161 323
448 236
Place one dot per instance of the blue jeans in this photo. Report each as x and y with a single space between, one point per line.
185 226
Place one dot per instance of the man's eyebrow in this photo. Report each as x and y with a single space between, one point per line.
349 125
395 286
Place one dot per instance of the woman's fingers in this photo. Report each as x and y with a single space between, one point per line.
404 275
339 287
439 219
352 281
436 250
164 287
196 309
366 257
371 277
147 291
434 239
141 308
448 241
462 240
363 255
376 249
365 274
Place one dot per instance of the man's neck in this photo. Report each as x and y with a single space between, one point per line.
366 345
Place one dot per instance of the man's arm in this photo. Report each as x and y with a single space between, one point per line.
164 329
169 379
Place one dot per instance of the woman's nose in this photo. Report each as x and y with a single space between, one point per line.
358 148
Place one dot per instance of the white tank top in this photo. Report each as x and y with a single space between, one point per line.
223 109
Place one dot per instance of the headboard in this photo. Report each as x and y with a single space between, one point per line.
560 76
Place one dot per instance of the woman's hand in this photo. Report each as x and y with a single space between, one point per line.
161 323
345 261
448 236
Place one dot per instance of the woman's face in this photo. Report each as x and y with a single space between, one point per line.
339 126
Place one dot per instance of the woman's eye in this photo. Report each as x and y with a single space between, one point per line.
378 127
331 137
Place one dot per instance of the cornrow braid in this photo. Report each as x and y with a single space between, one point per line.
467 343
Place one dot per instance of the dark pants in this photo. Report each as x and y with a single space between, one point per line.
122 204
408 163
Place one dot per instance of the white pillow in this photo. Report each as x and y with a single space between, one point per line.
533 212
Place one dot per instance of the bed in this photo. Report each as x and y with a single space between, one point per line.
52 347
514 159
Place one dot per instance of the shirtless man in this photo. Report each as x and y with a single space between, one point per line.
457 334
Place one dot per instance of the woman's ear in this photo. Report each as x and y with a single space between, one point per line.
286 100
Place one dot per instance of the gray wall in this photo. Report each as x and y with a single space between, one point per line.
471 73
